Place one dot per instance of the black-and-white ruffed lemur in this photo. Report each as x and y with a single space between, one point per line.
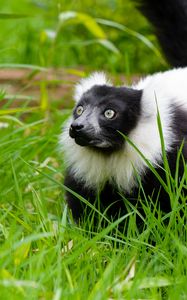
99 159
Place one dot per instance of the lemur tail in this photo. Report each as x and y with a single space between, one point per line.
169 19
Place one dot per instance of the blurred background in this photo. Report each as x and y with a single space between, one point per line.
47 45
74 33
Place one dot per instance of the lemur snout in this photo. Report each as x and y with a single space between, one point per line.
75 129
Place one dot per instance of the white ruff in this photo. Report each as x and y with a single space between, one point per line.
121 168
96 78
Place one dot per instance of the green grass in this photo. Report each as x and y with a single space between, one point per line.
41 38
44 255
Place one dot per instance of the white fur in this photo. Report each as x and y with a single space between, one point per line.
96 78
94 169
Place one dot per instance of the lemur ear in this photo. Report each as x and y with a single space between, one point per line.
96 78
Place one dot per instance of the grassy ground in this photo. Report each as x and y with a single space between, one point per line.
43 254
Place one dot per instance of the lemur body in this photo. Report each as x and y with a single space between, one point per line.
100 160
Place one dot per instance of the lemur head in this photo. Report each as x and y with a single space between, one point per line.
102 112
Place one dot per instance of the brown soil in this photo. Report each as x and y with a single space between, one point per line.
19 84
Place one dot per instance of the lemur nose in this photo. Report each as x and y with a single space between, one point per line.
76 127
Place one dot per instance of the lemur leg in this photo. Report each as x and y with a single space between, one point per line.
77 206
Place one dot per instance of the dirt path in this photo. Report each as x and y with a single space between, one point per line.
25 84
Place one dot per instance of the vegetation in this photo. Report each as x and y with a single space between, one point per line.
42 38
43 254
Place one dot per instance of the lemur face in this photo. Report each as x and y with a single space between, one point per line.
102 113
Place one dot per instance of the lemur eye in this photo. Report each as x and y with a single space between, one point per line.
79 110
109 113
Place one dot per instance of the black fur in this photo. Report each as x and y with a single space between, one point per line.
111 201
169 19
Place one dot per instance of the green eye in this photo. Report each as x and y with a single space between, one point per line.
109 113
79 110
